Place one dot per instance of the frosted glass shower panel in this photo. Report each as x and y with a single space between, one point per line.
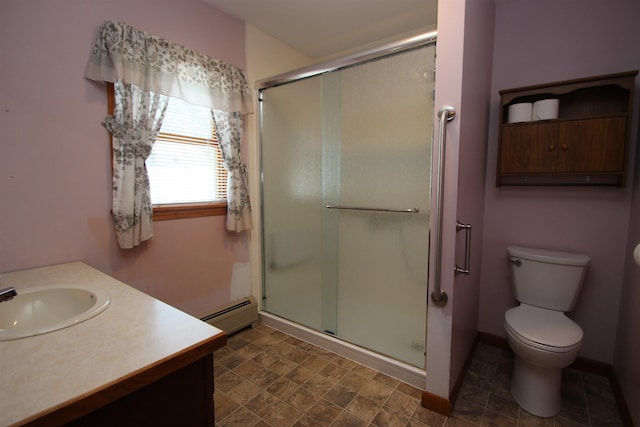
291 156
385 163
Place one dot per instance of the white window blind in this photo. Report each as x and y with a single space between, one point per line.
185 165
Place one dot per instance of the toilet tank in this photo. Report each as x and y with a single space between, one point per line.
547 279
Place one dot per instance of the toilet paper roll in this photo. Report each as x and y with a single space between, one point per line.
545 109
636 254
520 112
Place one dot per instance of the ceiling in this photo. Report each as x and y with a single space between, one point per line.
321 28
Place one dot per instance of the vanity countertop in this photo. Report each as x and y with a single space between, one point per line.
57 376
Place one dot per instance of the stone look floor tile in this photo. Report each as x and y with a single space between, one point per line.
459 422
242 417
232 361
301 399
563 422
574 413
386 380
363 408
282 415
528 420
410 390
388 418
428 417
265 378
364 371
347 419
376 392
244 392
248 369
314 363
227 382
340 396
266 359
402 403
300 374
333 371
318 386
307 421
474 394
249 351
282 388
353 381
262 403
324 412
283 366
224 405
504 406
468 411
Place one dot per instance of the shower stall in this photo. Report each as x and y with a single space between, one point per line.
346 180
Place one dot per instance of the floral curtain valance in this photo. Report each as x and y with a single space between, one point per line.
123 53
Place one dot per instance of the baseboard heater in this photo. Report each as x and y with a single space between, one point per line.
235 316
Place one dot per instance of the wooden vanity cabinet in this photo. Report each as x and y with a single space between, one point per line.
180 398
587 144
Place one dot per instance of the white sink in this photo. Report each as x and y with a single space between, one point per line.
40 310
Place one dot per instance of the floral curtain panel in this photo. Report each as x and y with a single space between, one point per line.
229 128
144 69
136 121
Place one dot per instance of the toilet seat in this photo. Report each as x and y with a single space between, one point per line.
544 329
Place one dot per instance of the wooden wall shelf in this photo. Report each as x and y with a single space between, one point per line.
586 144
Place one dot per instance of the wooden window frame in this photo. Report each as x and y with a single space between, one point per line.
167 212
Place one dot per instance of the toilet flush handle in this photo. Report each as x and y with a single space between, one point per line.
515 261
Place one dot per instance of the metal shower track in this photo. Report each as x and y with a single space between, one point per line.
357 58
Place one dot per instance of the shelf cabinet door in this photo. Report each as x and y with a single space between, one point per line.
529 148
571 147
593 146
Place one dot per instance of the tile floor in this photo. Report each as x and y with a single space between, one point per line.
264 377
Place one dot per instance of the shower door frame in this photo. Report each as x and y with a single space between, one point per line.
374 53
393 367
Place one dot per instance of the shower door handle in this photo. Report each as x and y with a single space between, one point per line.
446 114
467 252
362 208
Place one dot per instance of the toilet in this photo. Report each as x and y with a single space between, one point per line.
546 284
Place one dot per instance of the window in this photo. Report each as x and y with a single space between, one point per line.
186 170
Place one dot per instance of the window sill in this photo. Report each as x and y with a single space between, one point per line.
188 210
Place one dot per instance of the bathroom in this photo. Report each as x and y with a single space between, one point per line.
56 178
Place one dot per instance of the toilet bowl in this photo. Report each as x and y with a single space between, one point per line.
544 340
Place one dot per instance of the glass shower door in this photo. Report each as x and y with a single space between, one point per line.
385 159
346 162
291 157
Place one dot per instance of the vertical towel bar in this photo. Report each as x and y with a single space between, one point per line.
445 114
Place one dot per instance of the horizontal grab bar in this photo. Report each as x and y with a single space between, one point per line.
360 208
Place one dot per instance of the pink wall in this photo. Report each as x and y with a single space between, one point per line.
542 41
627 350
474 119
465 39
55 193
627 354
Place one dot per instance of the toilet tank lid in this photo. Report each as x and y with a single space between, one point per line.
552 257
